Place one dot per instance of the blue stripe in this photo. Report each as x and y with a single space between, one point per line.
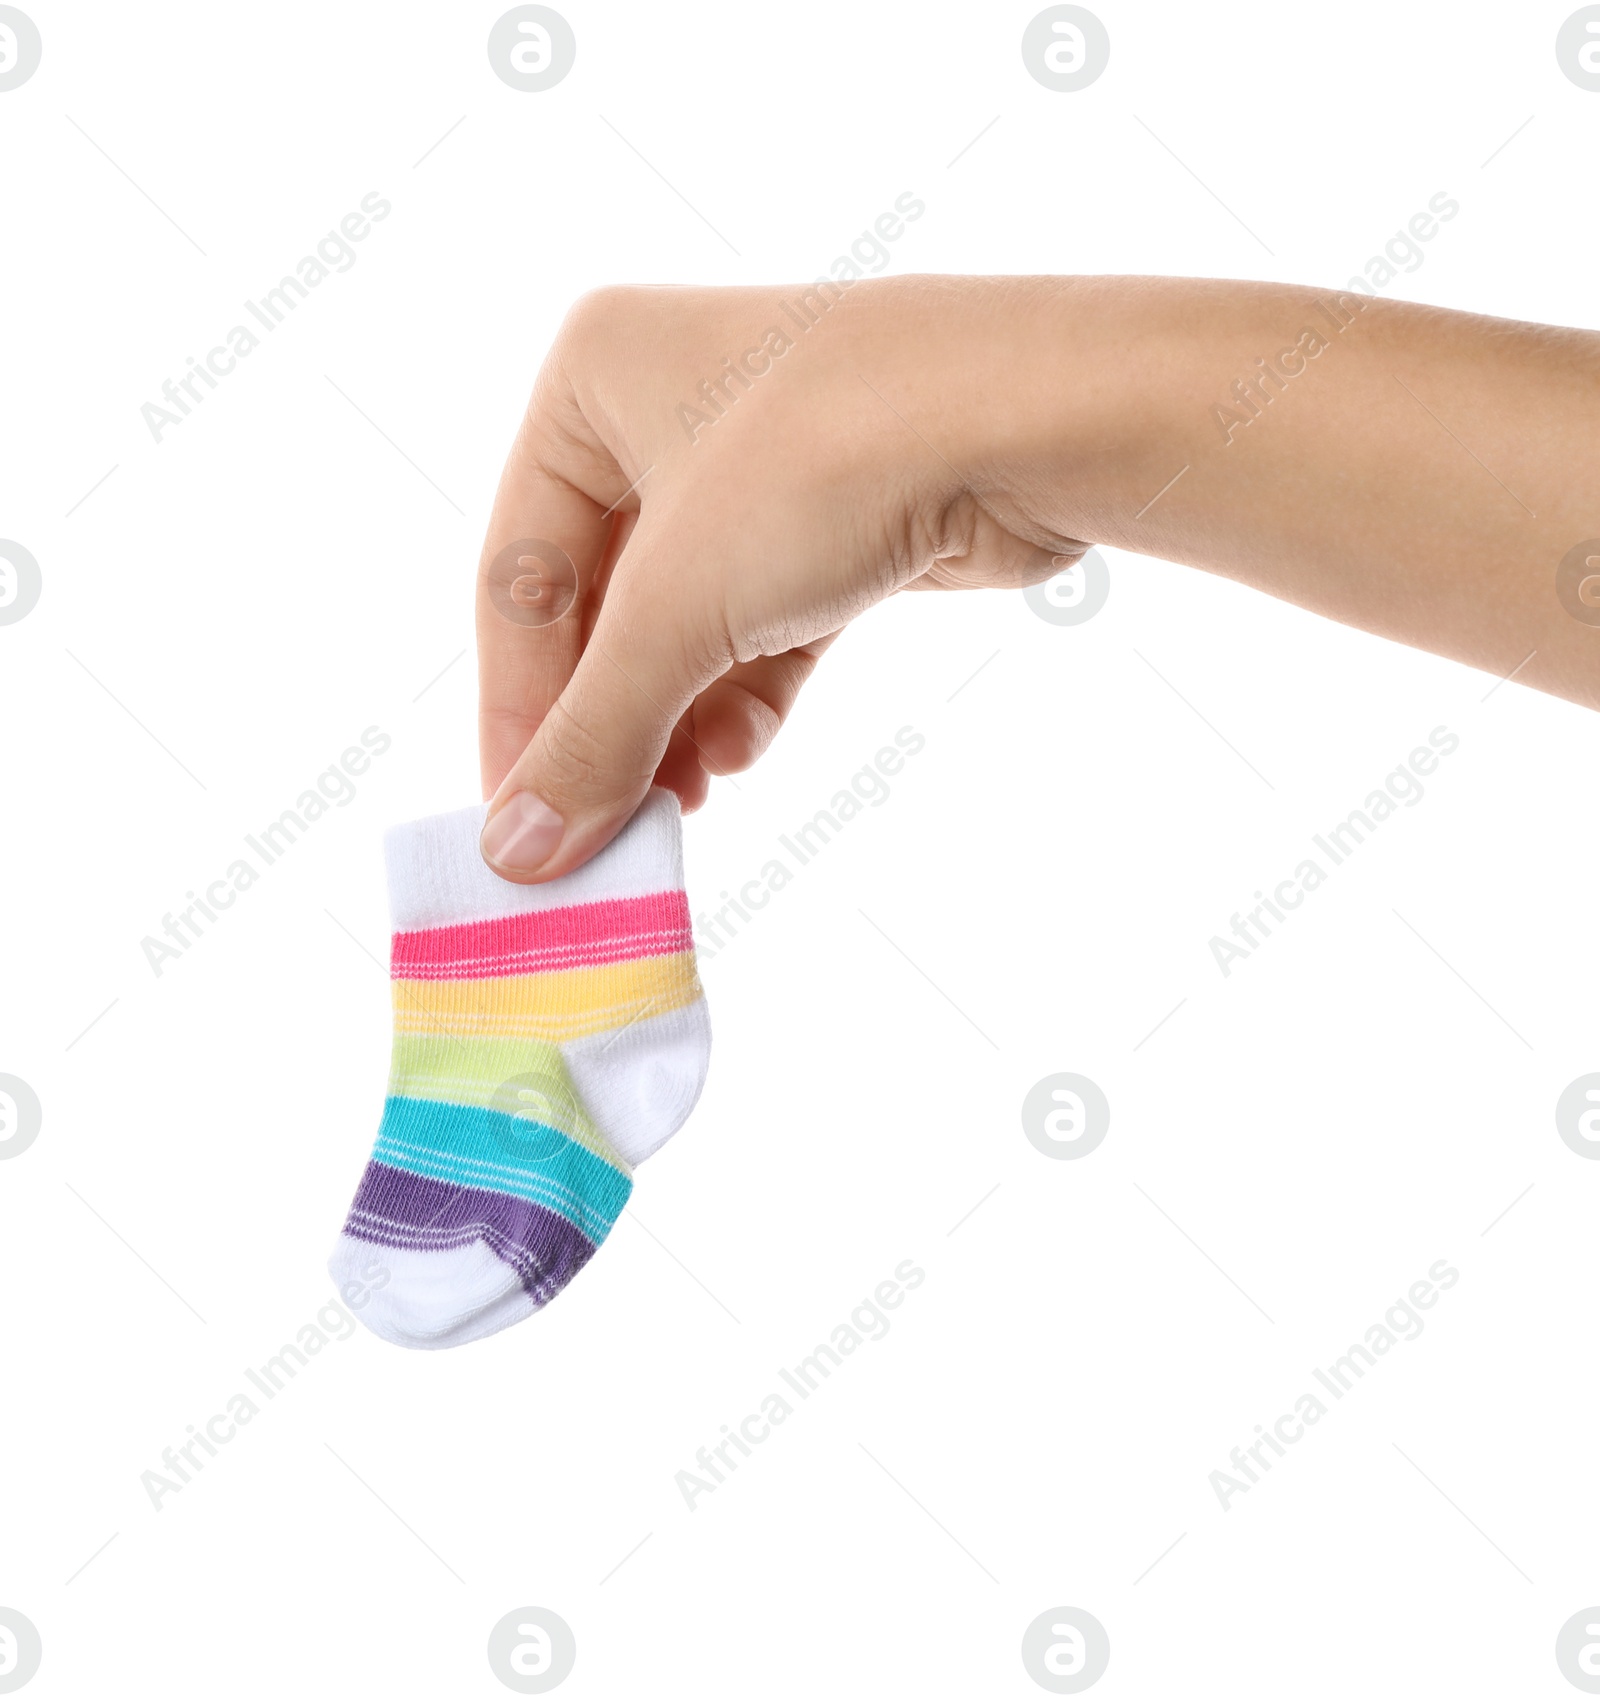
496 1152
466 1176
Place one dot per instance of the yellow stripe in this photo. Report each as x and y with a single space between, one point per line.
554 1008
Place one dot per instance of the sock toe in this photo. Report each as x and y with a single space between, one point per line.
430 1298
440 1262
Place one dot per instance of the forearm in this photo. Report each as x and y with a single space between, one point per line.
1416 472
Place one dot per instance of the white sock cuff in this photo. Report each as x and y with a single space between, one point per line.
437 878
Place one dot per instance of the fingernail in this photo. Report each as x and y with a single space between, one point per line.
522 835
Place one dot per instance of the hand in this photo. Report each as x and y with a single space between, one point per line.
721 531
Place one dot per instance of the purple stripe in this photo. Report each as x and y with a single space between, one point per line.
394 1207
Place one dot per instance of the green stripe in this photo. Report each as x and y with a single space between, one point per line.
520 1078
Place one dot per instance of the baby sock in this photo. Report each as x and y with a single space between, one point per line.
546 1039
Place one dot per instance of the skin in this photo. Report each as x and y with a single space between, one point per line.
1421 475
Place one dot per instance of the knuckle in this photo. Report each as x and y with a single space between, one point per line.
578 756
498 721
584 765
597 312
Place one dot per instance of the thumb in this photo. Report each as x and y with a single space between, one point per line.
592 759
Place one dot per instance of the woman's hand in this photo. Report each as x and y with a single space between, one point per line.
727 477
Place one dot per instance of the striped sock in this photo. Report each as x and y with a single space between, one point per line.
546 1039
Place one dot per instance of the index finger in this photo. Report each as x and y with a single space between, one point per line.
546 542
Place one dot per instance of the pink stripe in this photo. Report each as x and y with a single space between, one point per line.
580 935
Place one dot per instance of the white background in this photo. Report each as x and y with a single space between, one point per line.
230 608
